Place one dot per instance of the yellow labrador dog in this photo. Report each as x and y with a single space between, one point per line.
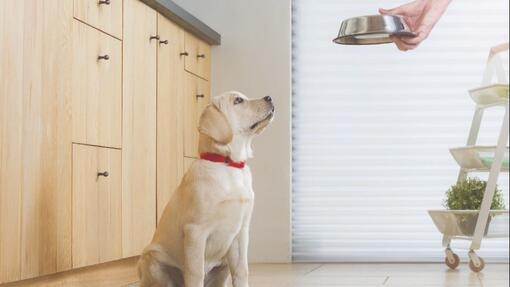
203 233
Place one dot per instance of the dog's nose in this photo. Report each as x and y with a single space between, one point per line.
268 99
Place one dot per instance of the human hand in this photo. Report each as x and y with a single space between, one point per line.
420 16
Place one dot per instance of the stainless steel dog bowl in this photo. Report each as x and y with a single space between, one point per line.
370 30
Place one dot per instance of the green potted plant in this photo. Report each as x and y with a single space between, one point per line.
467 194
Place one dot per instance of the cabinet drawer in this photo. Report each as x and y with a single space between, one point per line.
97 205
96 87
197 97
198 58
105 15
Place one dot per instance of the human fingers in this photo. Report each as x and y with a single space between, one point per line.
401 45
420 36
394 11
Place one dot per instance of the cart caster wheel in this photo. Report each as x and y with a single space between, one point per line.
477 268
452 261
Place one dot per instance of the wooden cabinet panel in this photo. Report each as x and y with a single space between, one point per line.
97 205
104 15
11 137
187 163
196 98
46 158
35 138
97 98
139 127
198 58
170 92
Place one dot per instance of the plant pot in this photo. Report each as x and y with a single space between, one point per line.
467 223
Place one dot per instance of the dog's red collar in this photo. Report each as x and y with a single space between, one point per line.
214 157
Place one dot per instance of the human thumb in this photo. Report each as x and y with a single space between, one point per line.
394 11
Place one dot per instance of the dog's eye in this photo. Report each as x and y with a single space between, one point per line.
238 100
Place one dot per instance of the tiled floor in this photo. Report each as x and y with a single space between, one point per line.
401 275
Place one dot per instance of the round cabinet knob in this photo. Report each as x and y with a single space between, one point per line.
201 56
105 174
105 2
155 37
164 42
183 54
200 96
103 57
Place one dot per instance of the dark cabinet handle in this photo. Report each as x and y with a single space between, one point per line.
201 56
183 54
105 174
156 37
200 96
106 2
104 57
164 42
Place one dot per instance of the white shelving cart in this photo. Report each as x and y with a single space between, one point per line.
474 225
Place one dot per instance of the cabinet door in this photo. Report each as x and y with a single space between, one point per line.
97 200
45 138
170 92
139 127
104 15
97 98
188 161
196 98
198 58
11 130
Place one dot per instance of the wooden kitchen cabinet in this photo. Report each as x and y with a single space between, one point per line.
170 90
139 127
97 87
67 113
196 98
97 205
105 15
35 138
198 56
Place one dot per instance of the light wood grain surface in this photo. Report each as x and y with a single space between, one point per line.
169 111
11 137
105 17
97 221
46 138
139 127
198 59
194 104
97 87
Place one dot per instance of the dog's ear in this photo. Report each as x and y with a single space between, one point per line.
214 124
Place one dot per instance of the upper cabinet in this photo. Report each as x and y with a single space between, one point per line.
105 15
198 56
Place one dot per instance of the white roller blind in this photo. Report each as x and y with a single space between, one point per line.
372 127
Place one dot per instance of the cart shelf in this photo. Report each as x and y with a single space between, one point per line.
478 158
496 94
461 223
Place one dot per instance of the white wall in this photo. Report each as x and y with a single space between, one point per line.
255 58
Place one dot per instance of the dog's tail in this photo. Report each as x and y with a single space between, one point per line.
156 268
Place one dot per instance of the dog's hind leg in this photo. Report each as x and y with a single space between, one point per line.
217 277
153 273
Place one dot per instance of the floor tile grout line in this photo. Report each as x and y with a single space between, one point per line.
479 279
313 269
386 280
